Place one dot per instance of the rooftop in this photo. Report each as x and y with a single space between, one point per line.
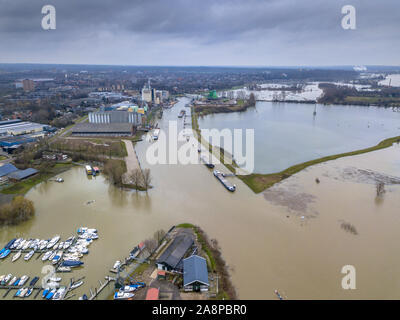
102 127
195 270
175 252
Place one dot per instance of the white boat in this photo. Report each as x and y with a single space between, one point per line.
117 264
12 281
64 269
43 244
53 254
2 277
21 244
47 255
57 257
16 243
76 285
29 292
61 245
24 278
16 256
53 241
59 294
123 295
127 289
55 247
7 278
26 245
23 292
55 279
29 255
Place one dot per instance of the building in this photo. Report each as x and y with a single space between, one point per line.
171 258
195 274
28 85
22 174
6 169
104 129
152 294
116 117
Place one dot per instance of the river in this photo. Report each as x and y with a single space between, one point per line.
266 244
286 134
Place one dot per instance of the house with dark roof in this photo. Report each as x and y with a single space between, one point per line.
195 274
171 258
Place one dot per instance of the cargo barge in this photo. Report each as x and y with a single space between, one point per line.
229 186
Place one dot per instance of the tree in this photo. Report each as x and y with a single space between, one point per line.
115 170
151 244
136 178
380 189
159 235
146 178
252 100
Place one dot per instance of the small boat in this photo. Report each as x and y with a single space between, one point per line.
29 255
43 244
16 282
86 229
47 255
59 180
128 288
59 294
10 243
57 257
61 245
53 254
33 281
5 253
21 244
84 297
23 292
26 245
24 278
76 285
53 241
12 281
45 292
64 269
6 279
28 292
16 256
2 278
18 293
55 279
55 247
16 243
117 264
278 295
51 294
123 295
71 263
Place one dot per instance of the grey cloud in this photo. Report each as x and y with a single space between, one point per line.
199 31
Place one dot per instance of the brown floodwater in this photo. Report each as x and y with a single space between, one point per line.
293 243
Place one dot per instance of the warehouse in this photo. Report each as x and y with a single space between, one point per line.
104 129
195 274
22 174
115 117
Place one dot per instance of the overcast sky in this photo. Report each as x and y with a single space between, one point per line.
201 32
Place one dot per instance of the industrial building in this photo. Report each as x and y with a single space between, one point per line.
103 129
10 171
105 117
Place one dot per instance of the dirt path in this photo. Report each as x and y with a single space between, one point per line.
131 160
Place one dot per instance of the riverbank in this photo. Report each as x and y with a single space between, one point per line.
206 109
215 262
259 182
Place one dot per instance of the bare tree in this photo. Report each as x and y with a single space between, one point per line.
151 244
158 235
136 178
380 189
146 178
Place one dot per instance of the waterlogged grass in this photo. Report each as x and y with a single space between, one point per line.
260 182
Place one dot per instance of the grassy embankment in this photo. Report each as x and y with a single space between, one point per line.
259 182
215 262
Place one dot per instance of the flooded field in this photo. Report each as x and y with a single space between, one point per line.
293 243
